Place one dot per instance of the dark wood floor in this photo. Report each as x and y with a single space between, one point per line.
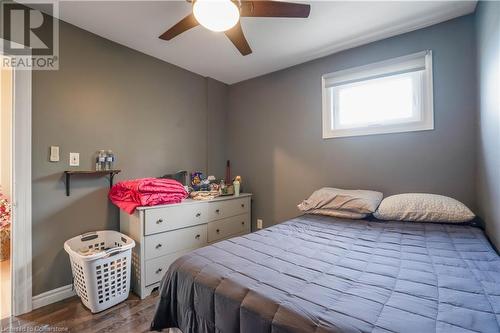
70 315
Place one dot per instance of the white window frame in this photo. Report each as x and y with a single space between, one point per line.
421 61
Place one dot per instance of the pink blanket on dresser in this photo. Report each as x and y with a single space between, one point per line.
130 194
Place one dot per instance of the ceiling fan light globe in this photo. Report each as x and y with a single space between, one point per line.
216 15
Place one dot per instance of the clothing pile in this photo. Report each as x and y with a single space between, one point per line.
204 195
130 194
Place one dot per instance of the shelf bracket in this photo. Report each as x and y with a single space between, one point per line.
68 177
111 177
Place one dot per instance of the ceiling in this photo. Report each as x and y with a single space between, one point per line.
277 43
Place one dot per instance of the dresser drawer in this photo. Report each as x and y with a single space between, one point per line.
231 226
156 268
174 217
173 241
227 208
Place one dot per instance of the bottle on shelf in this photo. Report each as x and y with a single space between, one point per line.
102 160
97 163
110 160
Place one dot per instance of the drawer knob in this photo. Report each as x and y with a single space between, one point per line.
198 214
197 236
242 205
217 211
243 223
158 246
159 270
159 221
217 231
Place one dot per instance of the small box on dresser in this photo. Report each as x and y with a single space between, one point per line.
164 233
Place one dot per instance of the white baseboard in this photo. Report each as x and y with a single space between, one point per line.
53 296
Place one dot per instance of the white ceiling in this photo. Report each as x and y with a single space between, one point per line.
276 43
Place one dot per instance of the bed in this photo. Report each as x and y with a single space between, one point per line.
322 274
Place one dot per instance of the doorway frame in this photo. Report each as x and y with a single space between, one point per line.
21 227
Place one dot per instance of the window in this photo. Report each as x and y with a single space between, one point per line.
385 97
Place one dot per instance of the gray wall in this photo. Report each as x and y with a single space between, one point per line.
275 129
217 129
105 96
488 55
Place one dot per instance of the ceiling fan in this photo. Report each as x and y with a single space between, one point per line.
224 15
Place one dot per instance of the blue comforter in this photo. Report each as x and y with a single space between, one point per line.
321 274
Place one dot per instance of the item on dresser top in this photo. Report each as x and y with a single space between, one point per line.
180 176
225 189
423 207
228 172
215 187
237 184
204 195
228 190
354 203
199 182
196 178
130 194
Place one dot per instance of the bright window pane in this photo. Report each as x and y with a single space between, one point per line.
377 101
390 96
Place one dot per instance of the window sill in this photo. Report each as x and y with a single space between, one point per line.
374 130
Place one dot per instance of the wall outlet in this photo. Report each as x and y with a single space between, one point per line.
74 159
259 223
54 154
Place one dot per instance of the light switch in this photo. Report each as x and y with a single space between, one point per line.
54 154
74 159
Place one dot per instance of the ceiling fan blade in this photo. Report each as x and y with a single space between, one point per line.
236 35
274 9
183 25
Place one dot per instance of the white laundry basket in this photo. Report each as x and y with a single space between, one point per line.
101 279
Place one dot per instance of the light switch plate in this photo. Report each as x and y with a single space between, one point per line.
54 154
74 159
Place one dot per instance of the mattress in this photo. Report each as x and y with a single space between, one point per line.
322 274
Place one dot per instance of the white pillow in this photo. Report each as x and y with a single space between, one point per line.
423 207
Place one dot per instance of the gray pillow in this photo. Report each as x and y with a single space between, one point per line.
338 200
423 207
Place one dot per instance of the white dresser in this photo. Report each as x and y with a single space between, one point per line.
164 233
